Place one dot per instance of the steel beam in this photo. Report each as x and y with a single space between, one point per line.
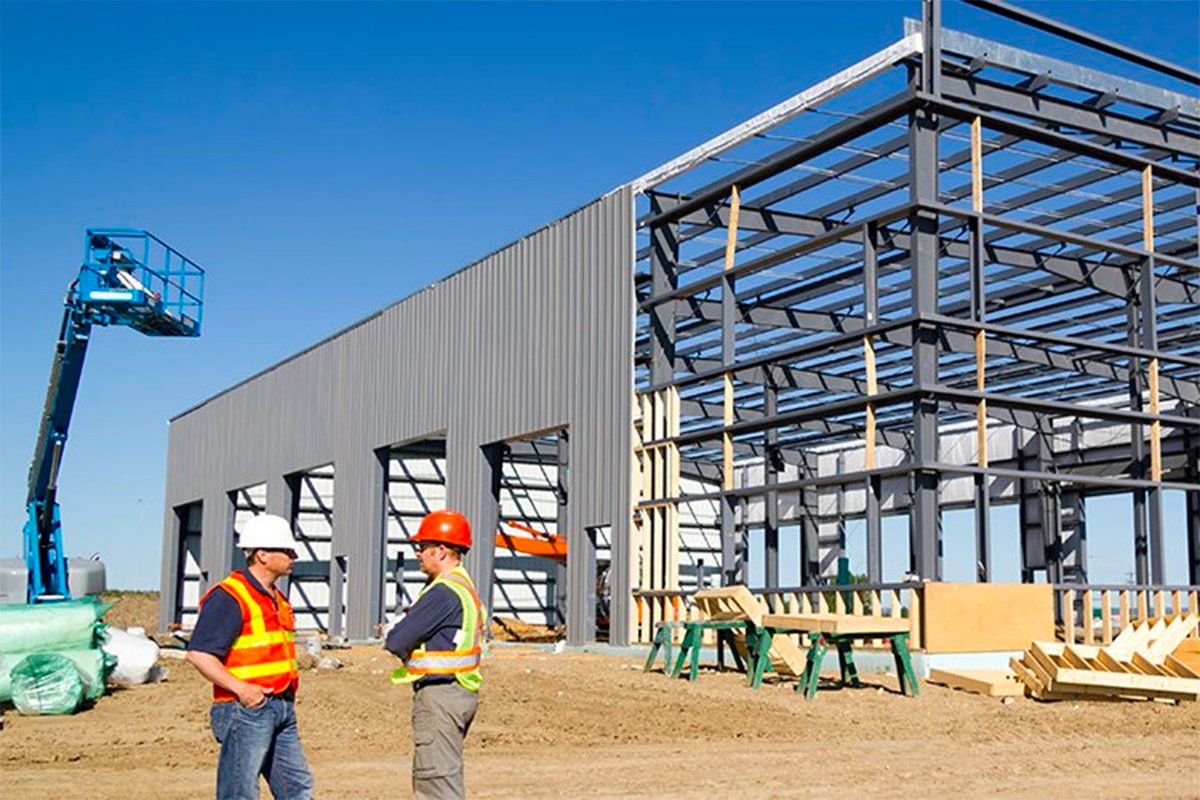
1091 40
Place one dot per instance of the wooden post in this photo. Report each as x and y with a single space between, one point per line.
1069 616
1148 246
735 202
1195 609
1089 634
977 164
1106 616
980 338
1124 601
914 619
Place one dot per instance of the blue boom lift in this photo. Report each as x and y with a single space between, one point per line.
128 277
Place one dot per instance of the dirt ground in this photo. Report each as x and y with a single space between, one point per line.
587 725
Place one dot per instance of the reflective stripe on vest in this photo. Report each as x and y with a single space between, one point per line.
462 663
265 653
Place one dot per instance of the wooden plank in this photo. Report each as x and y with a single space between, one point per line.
1180 629
1189 660
835 623
1182 668
1044 676
1041 659
987 682
1136 638
1193 597
1015 615
1148 209
1106 634
1113 664
1025 675
1144 664
1125 682
916 632
1089 627
977 165
1123 638
1075 659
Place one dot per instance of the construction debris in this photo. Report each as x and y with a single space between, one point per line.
1140 664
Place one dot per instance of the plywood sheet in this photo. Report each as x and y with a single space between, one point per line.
982 617
987 682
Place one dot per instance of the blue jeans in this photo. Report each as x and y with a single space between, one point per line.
260 741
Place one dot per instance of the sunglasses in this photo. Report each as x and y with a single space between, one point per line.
292 554
421 547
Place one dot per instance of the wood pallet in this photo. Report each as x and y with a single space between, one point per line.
1140 664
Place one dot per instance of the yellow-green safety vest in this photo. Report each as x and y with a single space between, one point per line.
462 663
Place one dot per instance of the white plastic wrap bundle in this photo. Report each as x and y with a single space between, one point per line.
136 655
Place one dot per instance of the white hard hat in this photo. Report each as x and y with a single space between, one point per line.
267 532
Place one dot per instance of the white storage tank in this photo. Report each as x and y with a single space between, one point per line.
85 576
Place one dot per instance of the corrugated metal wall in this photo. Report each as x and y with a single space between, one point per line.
536 336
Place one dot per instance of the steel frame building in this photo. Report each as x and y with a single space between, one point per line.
953 275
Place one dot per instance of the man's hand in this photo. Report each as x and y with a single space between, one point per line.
251 696
210 667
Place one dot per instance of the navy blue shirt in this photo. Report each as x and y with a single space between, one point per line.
434 620
220 620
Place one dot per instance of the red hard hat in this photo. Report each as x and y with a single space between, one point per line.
446 526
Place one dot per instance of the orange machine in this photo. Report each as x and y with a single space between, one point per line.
546 545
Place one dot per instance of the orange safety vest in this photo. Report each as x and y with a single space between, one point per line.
264 653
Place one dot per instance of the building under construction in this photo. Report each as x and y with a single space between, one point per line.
954 275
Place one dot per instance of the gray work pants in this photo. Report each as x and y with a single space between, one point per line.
441 716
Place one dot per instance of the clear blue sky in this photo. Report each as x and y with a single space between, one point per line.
324 160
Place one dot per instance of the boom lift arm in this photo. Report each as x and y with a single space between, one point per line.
116 286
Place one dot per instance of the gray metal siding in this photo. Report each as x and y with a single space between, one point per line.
536 336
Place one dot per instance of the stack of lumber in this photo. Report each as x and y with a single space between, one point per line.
1140 664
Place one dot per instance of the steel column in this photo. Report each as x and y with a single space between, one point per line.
772 463
562 508
923 190
664 277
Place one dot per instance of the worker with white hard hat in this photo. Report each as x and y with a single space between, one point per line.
243 643
440 641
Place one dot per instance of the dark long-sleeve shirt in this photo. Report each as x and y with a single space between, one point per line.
434 620
220 620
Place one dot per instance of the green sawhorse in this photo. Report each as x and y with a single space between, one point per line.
689 647
824 630
898 642
663 633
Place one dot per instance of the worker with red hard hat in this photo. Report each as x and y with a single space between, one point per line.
440 641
